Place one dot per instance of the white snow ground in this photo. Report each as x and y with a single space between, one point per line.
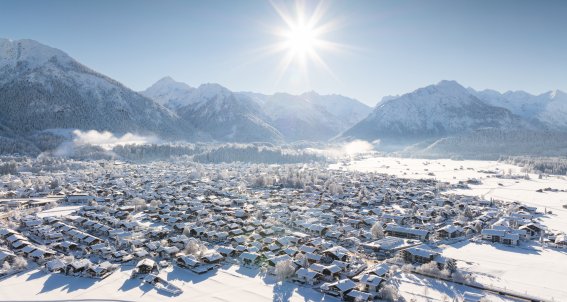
226 284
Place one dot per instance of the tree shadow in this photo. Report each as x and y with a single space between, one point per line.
71 284
251 272
283 291
186 275
36 275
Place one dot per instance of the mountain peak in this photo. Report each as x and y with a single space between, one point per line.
168 82
556 94
30 51
211 90
450 85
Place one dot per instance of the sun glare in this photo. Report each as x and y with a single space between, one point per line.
301 40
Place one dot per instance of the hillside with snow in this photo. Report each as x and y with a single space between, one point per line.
44 88
227 116
433 111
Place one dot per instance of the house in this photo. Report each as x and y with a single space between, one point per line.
329 272
450 231
533 230
419 255
146 266
379 270
226 251
55 266
6 255
339 288
168 252
560 240
370 283
337 253
306 276
358 296
405 232
77 267
101 271
249 258
41 255
504 236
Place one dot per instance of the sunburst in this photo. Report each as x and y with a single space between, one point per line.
303 37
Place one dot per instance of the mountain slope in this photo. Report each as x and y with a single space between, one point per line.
311 116
433 111
549 108
169 93
227 116
42 88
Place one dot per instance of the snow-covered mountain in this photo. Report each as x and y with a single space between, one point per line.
43 88
433 111
309 116
227 116
170 93
549 108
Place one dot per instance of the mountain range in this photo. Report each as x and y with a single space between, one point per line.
43 88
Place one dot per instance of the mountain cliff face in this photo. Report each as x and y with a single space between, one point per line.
43 88
433 111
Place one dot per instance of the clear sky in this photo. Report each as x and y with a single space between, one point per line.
386 47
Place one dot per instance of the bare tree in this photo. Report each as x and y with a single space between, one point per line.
284 270
377 231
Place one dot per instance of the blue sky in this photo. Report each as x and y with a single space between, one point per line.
389 47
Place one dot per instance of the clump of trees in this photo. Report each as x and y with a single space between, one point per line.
284 270
377 230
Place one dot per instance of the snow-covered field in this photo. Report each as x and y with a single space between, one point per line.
227 284
422 288
532 270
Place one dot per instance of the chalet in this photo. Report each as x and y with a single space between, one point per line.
337 253
168 252
370 283
339 288
405 232
358 296
249 258
77 267
329 272
450 231
213 258
504 236
100 271
55 266
226 251
146 266
533 230
560 240
419 255
306 276
6 256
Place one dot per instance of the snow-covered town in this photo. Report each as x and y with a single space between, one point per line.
302 231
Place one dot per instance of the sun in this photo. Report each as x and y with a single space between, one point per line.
301 39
